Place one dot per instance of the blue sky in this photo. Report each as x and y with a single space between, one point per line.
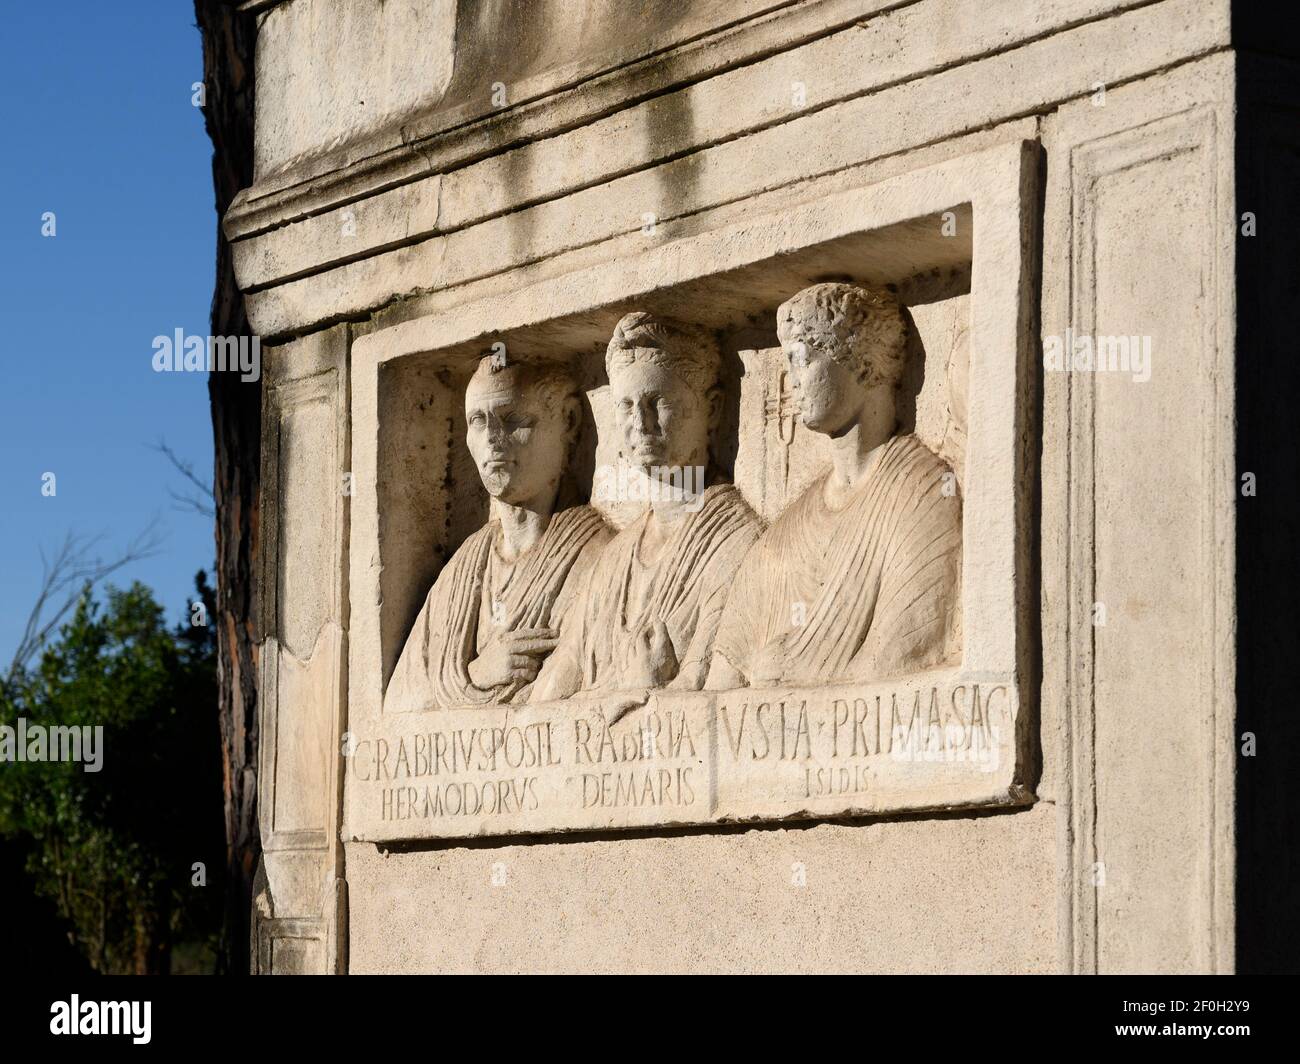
98 127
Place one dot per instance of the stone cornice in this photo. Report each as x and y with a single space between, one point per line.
445 137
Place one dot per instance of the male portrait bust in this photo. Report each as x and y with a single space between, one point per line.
650 610
857 579
492 614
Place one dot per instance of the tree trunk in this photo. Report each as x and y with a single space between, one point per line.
228 40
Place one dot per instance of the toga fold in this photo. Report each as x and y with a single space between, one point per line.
478 590
685 588
855 594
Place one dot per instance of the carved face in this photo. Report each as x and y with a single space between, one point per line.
829 394
660 419
519 440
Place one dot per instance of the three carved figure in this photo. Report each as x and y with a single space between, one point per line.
856 580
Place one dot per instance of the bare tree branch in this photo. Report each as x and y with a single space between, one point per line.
190 503
202 502
65 576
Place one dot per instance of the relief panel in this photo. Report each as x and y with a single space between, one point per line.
726 571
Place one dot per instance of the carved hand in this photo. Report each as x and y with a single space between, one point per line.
769 665
512 656
653 661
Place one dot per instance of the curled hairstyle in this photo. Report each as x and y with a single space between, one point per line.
860 328
688 351
550 382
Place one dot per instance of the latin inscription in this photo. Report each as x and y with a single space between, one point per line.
687 758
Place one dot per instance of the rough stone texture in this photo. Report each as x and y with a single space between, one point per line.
965 894
891 232
303 602
1150 764
707 168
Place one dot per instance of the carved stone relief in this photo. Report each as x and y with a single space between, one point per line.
856 579
493 614
723 572
648 615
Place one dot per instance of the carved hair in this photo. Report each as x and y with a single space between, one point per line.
550 382
688 351
860 328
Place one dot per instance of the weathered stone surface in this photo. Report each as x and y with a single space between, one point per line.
1152 763
941 747
937 742
969 893
498 666
862 125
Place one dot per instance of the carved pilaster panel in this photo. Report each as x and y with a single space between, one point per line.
306 486
1143 384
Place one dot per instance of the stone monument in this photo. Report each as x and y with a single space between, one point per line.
747 486
648 616
857 578
487 624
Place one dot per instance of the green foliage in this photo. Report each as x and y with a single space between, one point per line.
115 849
